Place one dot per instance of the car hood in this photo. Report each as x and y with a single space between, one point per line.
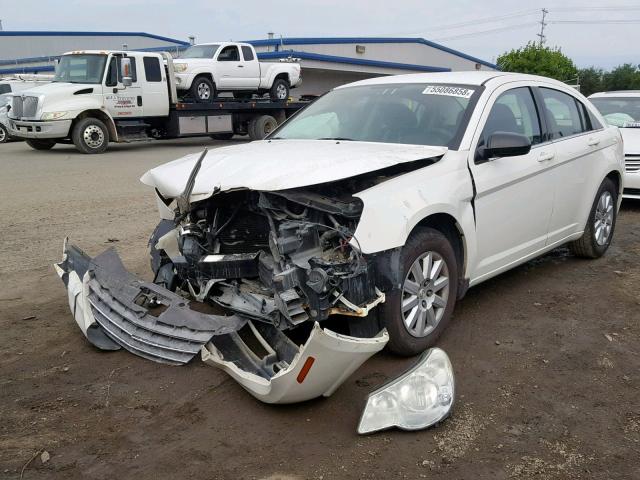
270 165
60 89
631 138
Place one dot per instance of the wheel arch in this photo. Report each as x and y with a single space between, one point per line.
203 73
451 228
616 178
103 117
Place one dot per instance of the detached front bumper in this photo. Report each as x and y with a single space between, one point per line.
34 129
114 309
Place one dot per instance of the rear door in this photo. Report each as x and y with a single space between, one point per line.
121 101
229 67
250 67
514 195
579 147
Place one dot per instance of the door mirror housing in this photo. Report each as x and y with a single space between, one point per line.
504 144
125 72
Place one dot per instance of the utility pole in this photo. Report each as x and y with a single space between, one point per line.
543 24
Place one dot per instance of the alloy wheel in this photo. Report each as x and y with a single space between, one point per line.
93 136
603 222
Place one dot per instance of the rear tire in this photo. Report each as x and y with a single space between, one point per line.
90 135
601 224
279 90
42 144
203 90
417 313
262 126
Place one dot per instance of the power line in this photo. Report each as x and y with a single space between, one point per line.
596 22
483 32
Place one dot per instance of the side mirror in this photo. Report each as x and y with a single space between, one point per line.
505 144
125 71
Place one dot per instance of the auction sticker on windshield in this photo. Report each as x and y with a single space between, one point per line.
460 92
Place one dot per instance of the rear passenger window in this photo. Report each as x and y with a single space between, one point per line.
152 69
564 118
229 54
5 88
247 53
514 112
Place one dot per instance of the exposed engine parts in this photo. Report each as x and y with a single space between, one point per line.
278 257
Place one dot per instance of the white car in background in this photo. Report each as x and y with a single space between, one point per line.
374 208
5 102
622 109
207 69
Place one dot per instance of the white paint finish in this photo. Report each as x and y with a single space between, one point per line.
336 357
236 75
280 164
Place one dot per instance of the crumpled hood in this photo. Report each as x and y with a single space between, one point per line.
631 139
281 164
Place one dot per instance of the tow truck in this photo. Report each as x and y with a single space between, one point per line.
99 97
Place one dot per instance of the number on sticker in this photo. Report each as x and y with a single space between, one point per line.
448 91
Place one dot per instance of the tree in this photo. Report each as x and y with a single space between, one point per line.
539 60
624 77
591 80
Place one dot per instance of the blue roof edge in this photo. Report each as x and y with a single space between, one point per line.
42 33
349 60
340 40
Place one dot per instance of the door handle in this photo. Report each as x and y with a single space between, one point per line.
240 66
593 141
545 156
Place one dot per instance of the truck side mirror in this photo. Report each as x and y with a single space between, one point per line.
125 71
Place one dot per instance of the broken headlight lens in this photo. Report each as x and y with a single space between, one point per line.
417 399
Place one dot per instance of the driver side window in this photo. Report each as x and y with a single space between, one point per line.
514 112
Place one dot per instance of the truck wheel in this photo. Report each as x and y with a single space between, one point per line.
416 314
222 136
203 90
44 144
90 135
261 126
4 135
279 90
598 233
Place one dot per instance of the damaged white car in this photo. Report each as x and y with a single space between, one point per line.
358 223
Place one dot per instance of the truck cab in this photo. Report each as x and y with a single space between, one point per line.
104 86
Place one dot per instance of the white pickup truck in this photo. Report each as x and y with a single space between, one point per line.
204 70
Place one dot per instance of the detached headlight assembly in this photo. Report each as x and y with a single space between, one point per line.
180 67
54 115
417 399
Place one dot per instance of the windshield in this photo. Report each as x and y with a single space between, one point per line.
85 68
418 114
200 51
619 112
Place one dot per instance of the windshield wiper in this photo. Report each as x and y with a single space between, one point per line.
337 138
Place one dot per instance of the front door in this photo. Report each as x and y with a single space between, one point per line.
229 67
514 195
121 101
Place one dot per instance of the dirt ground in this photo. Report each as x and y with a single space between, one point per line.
546 358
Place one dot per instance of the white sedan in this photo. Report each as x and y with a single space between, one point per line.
622 109
374 208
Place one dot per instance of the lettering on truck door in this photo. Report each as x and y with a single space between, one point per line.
121 101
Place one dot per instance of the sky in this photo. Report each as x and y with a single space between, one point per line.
506 24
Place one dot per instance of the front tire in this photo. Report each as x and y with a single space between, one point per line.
203 89
90 135
44 144
4 135
416 314
598 233
279 90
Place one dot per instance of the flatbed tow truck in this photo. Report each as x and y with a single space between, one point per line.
99 97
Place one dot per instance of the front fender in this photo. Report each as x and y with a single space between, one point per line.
393 208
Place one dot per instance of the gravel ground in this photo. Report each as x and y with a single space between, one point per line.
546 359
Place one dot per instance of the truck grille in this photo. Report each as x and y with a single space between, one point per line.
632 163
24 107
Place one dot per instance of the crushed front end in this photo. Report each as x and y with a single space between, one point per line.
265 285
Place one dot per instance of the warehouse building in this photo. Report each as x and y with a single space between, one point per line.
326 62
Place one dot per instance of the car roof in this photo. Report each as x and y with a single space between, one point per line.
472 77
616 93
